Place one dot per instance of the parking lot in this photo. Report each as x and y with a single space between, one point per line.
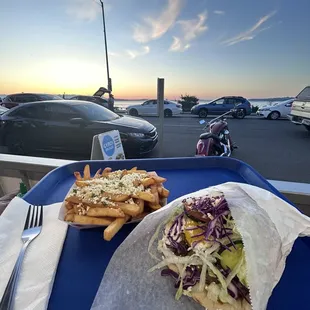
279 150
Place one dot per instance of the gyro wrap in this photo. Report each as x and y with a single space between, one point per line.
268 227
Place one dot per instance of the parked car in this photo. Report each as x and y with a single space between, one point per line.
277 110
3 109
149 108
101 101
14 100
300 112
222 105
69 126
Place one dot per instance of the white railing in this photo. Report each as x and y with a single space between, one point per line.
29 170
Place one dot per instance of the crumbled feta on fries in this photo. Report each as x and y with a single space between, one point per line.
114 197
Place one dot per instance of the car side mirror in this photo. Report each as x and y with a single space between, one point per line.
77 121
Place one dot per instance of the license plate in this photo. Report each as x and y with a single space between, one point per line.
306 122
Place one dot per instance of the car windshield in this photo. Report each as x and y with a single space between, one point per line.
50 97
95 112
305 94
212 101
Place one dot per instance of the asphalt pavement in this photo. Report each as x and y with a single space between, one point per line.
279 150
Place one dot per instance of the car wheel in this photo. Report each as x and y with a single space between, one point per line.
168 113
307 127
15 145
274 115
203 113
133 112
240 113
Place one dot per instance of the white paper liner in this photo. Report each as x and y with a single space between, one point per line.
268 225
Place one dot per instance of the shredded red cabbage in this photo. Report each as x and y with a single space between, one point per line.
242 290
232 291
215 208
192 276
174 236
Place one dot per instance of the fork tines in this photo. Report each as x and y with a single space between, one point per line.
34 217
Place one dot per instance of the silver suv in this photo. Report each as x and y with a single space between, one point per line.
300 113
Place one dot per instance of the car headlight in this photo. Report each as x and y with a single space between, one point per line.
136 135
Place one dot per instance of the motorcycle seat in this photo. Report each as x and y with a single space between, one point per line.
208 135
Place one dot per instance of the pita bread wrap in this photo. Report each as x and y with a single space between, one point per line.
268 226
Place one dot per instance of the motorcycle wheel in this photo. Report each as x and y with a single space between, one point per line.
240 113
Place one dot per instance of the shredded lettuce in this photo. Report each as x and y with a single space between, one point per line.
224 297
186 260
152 240
158 229
203 276
216 272
180 289
217 255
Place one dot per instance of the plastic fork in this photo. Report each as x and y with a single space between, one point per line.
32 229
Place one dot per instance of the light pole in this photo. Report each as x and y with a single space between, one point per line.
106 48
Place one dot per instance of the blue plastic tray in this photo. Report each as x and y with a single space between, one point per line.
86 255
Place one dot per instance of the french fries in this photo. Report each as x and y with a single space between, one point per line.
102 212
114 227
82 219
86 172
145 196
129 209
112 198
148 181
140 203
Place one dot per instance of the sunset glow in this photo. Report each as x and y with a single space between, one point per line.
212 49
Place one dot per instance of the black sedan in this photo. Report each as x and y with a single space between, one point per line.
11 101
69 126
101 101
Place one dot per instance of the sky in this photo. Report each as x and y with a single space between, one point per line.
206 48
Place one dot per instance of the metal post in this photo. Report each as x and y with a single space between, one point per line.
106 48
160 113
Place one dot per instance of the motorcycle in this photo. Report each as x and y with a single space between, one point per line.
216 141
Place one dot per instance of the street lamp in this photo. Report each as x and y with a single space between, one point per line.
106 48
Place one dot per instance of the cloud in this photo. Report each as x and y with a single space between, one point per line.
134 54
155 27
251 33
191 29
218 12
84 9
178 45
113 54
